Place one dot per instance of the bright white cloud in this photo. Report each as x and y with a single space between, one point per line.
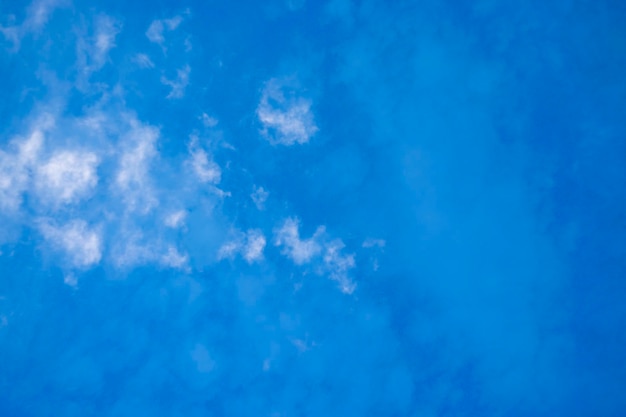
177 85
286 118
82 244
300 251
255 243
259 197
67 177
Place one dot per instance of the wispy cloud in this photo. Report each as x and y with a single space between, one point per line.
259 197
19 161
143 60
156 30
201 163
325 255
93 50
37 15
132 180
337 265
249 245
177 85
286 118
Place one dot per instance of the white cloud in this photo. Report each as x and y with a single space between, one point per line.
259 196
325 256
173 258
208 121
205 169
15 169
132 179
338 265
299 250
143 61
129 251
93 51
71 280
106 30
250 245
37 15
155 32
133 248
82 245
179 84
286 118
176 219
67 177
255 243
373 243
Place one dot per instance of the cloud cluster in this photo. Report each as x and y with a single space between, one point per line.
101 165
67 176
249 245
324 254
78 241
286 118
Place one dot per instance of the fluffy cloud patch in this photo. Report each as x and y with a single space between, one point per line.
81 244
202 165
286 118
250 245
326 256
67 177
300 251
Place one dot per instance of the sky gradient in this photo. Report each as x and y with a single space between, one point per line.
297 208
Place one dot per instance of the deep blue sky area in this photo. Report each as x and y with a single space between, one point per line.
293 208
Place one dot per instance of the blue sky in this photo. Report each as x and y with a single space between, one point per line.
297 208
